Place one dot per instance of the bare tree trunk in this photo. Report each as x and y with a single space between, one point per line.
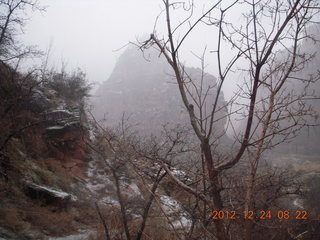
122 205
204 186
149 203
248 224
254 166
215 190
103 222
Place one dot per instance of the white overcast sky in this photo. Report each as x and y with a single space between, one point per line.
86 33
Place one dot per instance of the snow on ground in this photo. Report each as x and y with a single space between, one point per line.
135 188
298 203
57 127
178 173
56 193
81 236
91 169
169 204
74 198
110 201
91 134
61 111
99 181
100 184
95 187
183 222
181 175
173 209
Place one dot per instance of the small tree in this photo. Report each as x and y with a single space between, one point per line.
12 20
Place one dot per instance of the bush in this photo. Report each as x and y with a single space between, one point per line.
71 87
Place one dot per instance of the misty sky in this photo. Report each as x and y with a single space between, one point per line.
87 33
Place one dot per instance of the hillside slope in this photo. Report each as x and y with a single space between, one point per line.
43 157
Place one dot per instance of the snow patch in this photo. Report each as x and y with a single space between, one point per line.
183 222
53 192
80 236
173 209
169 204
62 111
110 201
55 128
95 187
59 194
135 189
298 203
74 198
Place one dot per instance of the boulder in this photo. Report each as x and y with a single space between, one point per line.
47 195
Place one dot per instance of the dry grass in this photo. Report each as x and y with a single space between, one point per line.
13 219
55 223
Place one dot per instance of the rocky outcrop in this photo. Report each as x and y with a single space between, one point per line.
47 194
43 156
143 87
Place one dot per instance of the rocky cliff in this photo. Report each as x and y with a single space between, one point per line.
43 157
142 86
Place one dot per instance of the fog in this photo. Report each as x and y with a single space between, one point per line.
86 33
156 144
91 34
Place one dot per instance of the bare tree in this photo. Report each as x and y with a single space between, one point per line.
16 89
120 151
280 109
12 19
268 42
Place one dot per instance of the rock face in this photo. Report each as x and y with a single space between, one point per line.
143 87
43 156
49 195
